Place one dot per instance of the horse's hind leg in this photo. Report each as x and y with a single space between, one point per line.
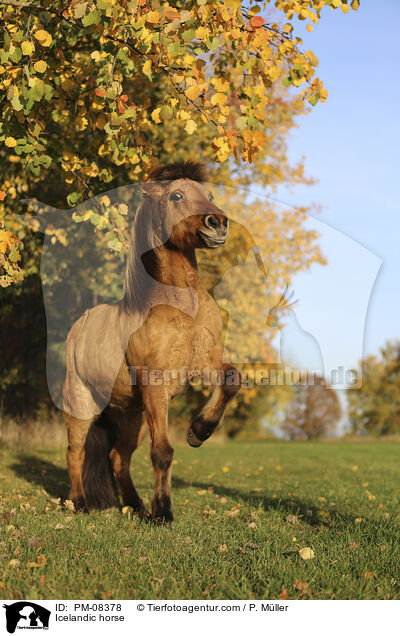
77 433
131 432
205 423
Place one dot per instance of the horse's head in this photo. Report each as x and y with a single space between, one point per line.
183 208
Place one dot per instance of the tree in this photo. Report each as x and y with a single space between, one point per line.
94 93
118 80
375 407
312 413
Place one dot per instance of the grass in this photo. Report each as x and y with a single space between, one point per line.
243 511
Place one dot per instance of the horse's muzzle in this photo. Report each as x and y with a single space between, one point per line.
214 238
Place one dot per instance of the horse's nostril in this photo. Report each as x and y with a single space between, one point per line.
212 222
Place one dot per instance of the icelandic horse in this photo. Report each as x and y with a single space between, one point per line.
166 327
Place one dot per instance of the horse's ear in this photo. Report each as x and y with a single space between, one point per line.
152 189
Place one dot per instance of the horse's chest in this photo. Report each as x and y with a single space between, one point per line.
187 341
192 341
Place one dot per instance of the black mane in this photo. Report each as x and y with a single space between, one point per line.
179 170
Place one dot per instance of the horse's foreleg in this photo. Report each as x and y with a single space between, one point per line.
205 423
77 433
131 430
155 400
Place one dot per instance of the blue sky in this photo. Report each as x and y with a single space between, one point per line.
351 145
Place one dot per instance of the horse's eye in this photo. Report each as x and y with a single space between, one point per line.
211 197
176 196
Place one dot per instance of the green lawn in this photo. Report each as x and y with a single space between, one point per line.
243 512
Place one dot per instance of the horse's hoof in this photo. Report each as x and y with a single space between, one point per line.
192 439
165 519
80 505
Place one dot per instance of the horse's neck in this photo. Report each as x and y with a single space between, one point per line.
172 268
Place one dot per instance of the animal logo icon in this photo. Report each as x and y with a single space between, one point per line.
26 615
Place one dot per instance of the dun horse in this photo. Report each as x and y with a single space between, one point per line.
166 323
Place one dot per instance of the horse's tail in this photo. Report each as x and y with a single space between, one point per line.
99 483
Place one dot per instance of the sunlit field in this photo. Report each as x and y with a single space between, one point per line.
252 520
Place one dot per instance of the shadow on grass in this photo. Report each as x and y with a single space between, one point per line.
55 482
305 511
38 471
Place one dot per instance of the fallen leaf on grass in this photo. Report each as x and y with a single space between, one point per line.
69 505
300 585
283 595
307 553
223 548
14 563
35 543
41 560
252 526
292 519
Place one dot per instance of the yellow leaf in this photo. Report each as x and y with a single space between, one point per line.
219 99
27 48
10 142
345 8
155 115
309 28
190 126
6 238
192 92
355 5
153 17
43 37
183 114
307 553
146 69
40 66
96 56
202 33
336 3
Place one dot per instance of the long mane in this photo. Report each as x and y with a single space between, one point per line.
138 284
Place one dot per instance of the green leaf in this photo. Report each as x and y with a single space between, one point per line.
176 49
189 35
16 55
95 219
73 198
166 112
93 18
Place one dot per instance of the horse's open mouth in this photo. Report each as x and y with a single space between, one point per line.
213 240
